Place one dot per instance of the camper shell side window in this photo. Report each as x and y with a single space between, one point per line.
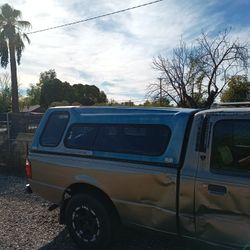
141 139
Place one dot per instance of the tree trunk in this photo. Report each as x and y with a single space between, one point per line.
13 70
210 99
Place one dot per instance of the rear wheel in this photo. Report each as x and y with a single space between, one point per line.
88 222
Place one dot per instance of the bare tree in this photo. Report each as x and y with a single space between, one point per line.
195 76
5 93
4 80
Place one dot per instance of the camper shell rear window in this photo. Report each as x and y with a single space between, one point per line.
141 139
54 129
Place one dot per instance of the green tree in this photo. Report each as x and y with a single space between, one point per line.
12 45
54 91
128 103
24 102
157 103
88 94
102 98
62 103
238 90
34 94
46 76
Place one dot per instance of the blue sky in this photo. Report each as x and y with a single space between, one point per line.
115 53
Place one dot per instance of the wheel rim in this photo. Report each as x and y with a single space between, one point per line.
85 223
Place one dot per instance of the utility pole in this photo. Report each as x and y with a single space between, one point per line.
160 79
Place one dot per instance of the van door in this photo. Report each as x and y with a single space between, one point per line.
222 190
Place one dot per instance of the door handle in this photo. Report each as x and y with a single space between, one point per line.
217 189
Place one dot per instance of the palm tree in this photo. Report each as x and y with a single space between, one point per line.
12 45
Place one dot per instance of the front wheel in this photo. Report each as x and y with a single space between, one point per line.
88 222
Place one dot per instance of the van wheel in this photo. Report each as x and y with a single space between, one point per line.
88 222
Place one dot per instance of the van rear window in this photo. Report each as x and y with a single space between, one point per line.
54 129
142 139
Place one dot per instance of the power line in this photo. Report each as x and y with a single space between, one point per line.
96 17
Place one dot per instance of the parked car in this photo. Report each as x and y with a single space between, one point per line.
179 171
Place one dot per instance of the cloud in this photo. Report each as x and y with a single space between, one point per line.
115 53
107 84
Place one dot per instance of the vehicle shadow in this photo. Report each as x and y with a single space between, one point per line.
61 241
125 239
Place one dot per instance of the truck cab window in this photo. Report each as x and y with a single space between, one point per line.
231 146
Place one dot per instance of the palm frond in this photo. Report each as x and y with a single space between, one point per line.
2 36
16 13
2 20
19 47
4 55
11 29
7 11
25 37
23 24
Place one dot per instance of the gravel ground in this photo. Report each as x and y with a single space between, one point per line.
26 223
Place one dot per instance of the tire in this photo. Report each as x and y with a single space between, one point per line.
88 222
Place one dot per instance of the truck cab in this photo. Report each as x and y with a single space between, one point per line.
216 174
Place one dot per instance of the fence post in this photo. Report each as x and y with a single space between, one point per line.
8 132
8 124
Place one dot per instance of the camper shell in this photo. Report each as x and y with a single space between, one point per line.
174 120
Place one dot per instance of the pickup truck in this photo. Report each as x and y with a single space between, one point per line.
184 172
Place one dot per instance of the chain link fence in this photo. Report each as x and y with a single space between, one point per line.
16 133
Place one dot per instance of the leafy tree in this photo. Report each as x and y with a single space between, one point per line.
12 45
102 98
46 76
24 102
76 104
128 103
88 94
5 93
34 94
55 91
238 90
194 76
113 102
157 103
62 103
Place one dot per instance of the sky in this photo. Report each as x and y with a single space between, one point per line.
115 53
